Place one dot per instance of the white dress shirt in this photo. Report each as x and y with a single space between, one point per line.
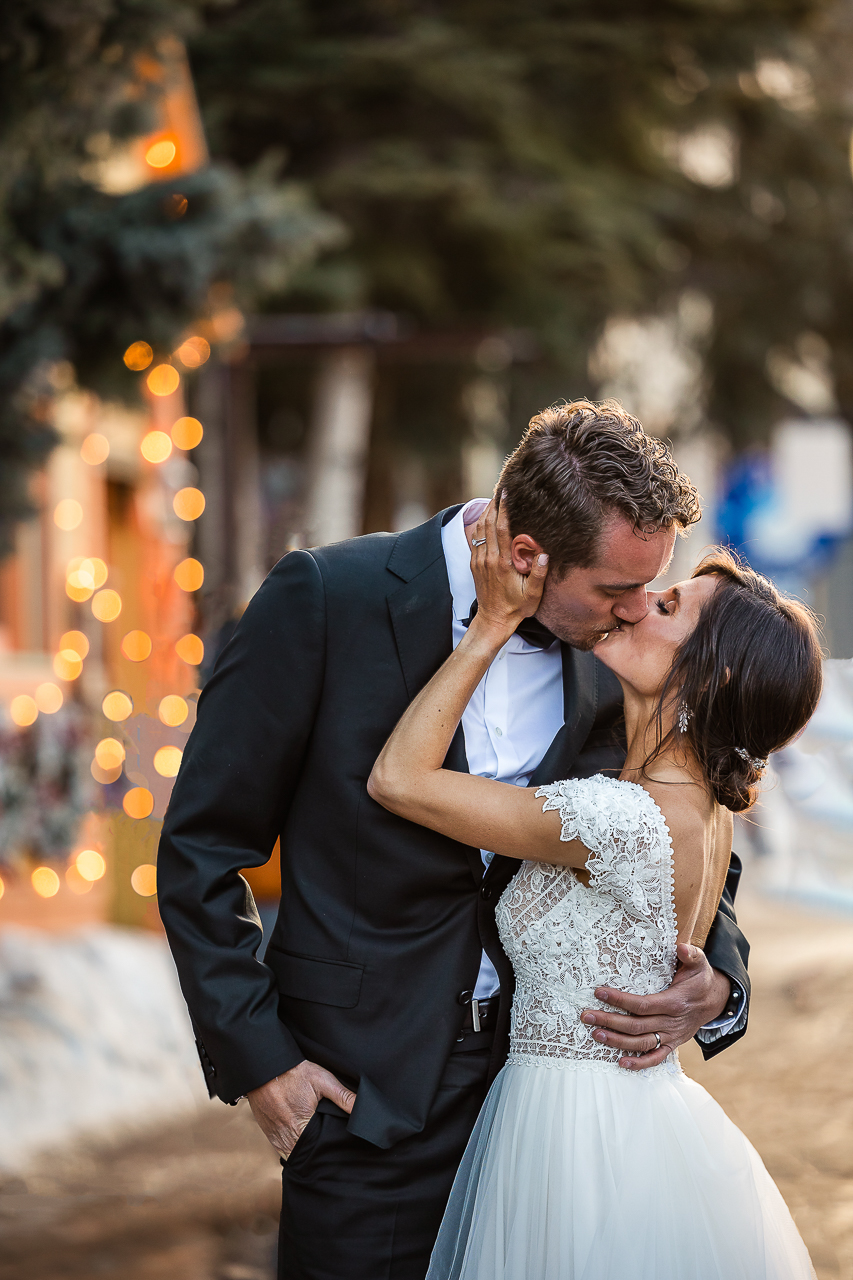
516 709
513 716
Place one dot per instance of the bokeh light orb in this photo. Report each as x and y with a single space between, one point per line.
161 154
68 514
172 710
190 649
23 710
76 641
138 802
189 574
109 754
48 698
45 881
106 605
194 352
67 664
187 433
138 356
2 887
90 864
136 646
155 446
104 776
163 380
167 761
188 503
117 705
144 880
95 449
75 881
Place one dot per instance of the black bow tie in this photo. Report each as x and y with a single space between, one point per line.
529 629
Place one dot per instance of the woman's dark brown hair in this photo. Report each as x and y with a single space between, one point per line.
748 678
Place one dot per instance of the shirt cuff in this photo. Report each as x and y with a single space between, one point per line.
728 1022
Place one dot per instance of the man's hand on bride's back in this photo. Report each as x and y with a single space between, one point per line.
697 995
283 1106
509 573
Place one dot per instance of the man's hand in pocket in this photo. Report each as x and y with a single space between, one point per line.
283 1106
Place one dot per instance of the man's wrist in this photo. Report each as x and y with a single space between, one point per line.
732 1007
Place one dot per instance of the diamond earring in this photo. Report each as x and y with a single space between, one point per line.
684 716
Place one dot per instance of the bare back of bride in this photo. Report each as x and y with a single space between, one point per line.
582 1159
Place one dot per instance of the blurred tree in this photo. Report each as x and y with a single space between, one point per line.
549 163
84 273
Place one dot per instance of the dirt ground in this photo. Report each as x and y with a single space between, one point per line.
199 1201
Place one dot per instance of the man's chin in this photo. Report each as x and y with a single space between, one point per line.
584 642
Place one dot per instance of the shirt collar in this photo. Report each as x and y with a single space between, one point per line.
457 554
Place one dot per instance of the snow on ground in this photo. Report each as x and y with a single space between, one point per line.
94 1039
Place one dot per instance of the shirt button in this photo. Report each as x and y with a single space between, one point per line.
499 731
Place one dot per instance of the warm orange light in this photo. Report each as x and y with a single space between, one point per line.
144 880
95 449
23 710
106 605
189 574
48 698
188 504
117 705
68 514
2 887
193 352
83 574
74 640
190 649
138 802
163 380
136 646
156 446
75 881
167 761
109 754
161 154
227 324
100 572
67 664
90 864
104 776
138 356
187 433
172 711
45 882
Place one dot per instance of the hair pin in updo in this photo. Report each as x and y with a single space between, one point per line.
752 761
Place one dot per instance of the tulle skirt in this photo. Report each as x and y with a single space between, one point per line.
584 1171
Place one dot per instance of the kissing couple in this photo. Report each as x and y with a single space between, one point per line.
502 773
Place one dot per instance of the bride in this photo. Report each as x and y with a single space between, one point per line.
583 1166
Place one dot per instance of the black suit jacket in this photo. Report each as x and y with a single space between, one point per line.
381 921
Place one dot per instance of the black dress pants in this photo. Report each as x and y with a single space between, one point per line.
351 1211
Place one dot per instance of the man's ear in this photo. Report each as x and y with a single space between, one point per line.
524 551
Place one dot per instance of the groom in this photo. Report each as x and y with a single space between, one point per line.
367 1039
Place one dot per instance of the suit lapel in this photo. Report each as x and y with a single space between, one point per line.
421 611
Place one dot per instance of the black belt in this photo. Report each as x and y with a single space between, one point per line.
480 1015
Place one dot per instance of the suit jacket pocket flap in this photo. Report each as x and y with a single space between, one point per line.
332 982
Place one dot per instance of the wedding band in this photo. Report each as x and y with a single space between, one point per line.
478 542
657 1038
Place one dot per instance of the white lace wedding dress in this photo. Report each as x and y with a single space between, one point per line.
578 1169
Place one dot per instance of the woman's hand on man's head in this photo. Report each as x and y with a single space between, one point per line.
509 579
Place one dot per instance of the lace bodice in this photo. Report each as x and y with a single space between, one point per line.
565 938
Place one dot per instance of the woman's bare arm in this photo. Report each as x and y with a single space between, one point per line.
408 778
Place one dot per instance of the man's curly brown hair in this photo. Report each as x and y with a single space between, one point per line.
577 466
